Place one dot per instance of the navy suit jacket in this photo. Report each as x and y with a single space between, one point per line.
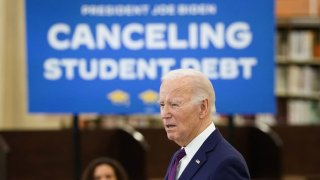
215 160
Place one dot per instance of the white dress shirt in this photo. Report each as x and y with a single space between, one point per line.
193 147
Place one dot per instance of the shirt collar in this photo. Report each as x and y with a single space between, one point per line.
196 143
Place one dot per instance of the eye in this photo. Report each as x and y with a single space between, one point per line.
161 104
174 104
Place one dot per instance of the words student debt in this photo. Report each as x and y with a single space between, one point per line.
138 37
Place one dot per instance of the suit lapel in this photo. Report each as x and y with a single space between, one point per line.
200 158
196 162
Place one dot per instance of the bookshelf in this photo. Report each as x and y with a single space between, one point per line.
298 70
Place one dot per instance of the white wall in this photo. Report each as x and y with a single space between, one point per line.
13 84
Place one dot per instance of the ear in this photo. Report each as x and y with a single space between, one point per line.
204 108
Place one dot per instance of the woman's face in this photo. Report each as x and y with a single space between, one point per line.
104 172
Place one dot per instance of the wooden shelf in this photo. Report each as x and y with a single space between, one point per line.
314 97
286 61
291 72
299 22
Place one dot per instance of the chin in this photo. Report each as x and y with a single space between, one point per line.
170 136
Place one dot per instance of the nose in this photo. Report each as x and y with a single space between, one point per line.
165 112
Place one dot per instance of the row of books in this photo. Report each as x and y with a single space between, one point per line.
303 112
297 80
298 45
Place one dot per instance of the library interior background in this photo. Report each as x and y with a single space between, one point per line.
38 144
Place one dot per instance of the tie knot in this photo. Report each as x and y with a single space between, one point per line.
181 153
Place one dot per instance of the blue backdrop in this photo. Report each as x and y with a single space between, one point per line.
109 56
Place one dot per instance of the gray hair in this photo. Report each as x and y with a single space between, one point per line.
201 84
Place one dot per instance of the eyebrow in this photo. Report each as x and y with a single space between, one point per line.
176 101
173 100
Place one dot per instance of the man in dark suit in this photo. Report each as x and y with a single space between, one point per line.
187 102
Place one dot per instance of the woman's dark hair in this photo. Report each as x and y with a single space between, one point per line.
117 167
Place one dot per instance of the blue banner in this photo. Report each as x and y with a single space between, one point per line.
108 56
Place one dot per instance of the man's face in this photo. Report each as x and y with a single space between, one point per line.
179 114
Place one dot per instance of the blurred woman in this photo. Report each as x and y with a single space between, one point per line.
104 168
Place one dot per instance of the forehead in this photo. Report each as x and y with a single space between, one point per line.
175 88
104 167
